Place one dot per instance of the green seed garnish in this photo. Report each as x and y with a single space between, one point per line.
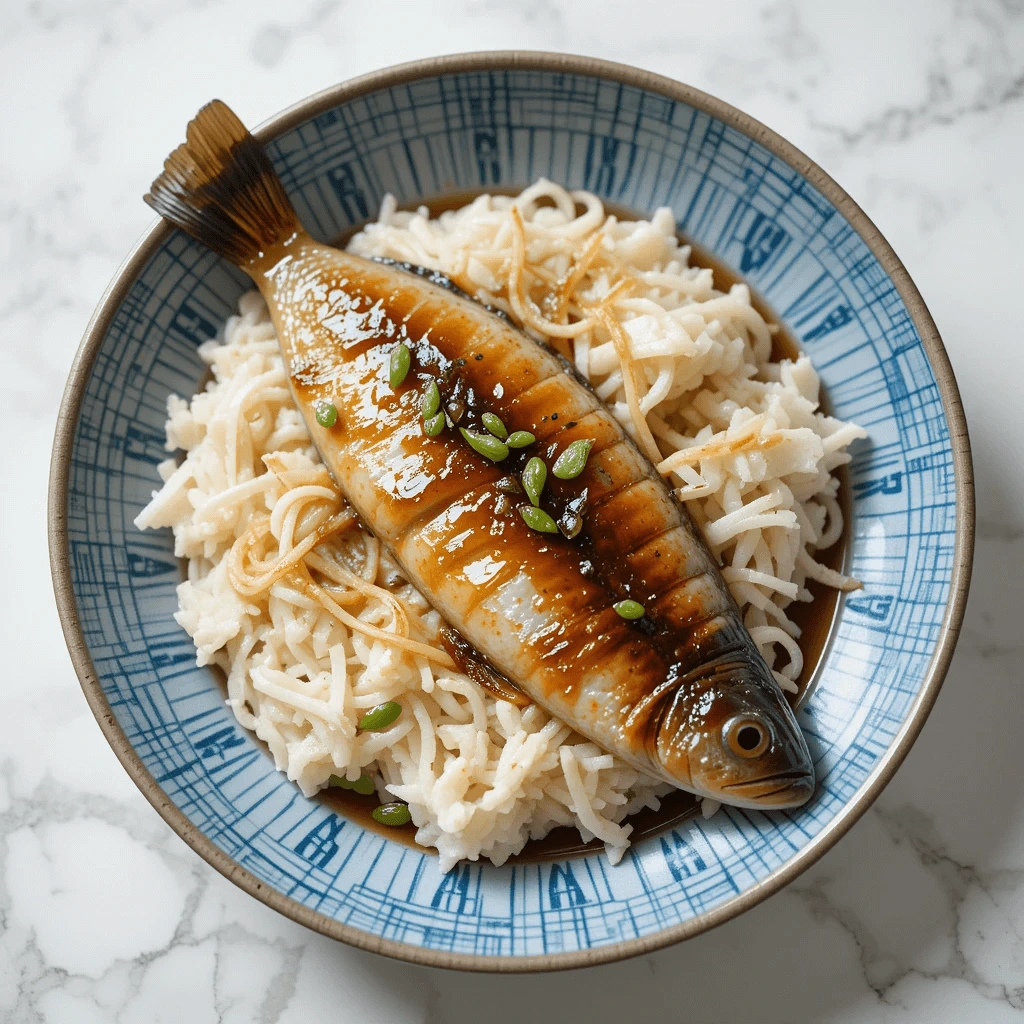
573 460
401 360
629 609
434 425
494 425
534 476
520 439
363 785
431 400
381 716
326 414
489 447
538 519
392 814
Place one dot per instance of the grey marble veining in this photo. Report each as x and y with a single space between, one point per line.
917 108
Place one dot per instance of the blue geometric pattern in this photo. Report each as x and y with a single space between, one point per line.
462 131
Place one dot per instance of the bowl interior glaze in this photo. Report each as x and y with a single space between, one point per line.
503 120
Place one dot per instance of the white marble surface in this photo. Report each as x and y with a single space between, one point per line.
917 108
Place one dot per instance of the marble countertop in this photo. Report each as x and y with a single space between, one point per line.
917 108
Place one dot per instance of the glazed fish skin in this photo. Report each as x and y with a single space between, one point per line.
675 694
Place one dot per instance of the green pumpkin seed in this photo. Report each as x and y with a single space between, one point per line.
494 425
434 425
398 370
392 814
380 717
573 460
629 609
538 519
326 414
431 400
534 476
363 785
520 439
489 447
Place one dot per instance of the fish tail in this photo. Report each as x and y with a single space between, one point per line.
220 187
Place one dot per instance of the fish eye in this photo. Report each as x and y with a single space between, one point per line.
746 737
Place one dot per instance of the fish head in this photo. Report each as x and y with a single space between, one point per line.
733 737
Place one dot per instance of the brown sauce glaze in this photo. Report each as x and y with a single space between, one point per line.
815 620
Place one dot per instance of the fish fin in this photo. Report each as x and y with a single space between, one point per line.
220 187
480 670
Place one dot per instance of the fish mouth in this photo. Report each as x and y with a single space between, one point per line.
784 789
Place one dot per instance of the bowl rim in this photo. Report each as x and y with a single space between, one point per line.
523 60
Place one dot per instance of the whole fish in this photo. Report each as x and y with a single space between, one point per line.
590 591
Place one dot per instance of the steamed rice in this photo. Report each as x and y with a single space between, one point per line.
687 371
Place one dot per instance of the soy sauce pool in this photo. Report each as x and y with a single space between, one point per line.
816 619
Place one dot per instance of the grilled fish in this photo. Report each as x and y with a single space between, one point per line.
670 681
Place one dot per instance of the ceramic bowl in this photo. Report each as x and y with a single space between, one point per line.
501 120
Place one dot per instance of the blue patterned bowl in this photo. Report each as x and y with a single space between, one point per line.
505 119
